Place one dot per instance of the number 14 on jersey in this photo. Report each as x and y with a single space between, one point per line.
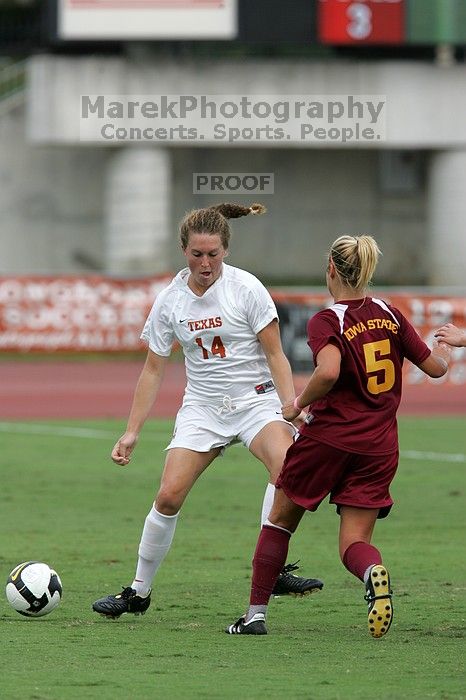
217 347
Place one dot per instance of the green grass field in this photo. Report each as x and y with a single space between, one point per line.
63 501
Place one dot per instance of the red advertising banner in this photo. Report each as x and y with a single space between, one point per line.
363 22
75 313
101 314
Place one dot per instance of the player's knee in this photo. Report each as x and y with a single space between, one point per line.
168 502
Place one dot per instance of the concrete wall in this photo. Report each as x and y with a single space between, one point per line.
53 201
50 202
425 103
319 195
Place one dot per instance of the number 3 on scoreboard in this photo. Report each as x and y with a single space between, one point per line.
360 26
374 364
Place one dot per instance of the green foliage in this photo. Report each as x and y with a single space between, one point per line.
64 502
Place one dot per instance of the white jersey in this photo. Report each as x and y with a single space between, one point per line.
218 334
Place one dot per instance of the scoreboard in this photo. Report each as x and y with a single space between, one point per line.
408 22
328 22
361 22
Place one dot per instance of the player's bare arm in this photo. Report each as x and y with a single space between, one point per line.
269 338
279 366
322 379
144 396
436 365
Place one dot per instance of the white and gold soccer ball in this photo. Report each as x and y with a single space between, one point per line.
33 589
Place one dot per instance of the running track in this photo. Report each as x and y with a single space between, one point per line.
103 389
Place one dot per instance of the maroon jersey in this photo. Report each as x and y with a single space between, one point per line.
359 413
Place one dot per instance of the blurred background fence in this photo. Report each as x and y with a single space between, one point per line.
102 314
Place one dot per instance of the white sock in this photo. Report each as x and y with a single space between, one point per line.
367 573
253 610
267 503
157 536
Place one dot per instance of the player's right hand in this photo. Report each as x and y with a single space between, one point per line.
121 453
299 421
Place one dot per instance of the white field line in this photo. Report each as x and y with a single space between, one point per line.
99 434
68 431
433 456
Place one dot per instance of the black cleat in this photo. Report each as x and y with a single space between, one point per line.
379 600
289 584
125 602
256 625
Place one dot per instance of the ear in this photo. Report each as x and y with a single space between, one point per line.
331 269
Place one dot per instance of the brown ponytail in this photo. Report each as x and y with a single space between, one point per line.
214 221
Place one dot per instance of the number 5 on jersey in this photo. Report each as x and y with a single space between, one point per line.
217 347
375 364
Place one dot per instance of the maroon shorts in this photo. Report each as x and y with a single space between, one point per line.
312 470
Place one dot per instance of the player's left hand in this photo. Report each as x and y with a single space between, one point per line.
289 412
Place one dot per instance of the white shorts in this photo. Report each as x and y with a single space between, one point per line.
201 428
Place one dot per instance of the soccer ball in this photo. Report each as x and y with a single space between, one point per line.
33 589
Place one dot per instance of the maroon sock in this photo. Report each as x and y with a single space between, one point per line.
269 558
359 556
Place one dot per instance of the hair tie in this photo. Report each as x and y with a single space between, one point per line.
257 209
